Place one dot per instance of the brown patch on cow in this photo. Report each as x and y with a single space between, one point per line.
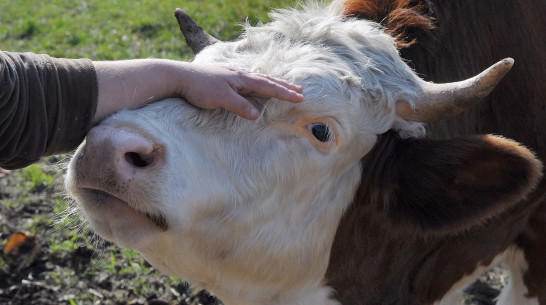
401 18
429 209
447 185
469 36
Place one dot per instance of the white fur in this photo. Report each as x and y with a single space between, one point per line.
455 295
253 206
513 293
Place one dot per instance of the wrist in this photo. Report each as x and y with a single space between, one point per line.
175 76
130 84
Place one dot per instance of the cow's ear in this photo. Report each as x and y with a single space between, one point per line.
402 19
446 185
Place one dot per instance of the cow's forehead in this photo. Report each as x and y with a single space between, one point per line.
295 62
313 45
350 68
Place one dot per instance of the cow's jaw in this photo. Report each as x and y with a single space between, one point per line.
245 264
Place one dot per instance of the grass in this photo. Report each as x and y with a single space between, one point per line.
119 29
35 178
99 30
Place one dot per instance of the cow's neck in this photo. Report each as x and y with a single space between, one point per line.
372 261
379 268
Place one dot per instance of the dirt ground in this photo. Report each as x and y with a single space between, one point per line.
69 269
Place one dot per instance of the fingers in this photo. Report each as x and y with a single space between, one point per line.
290 86
240 106
270 86
260 84
229 84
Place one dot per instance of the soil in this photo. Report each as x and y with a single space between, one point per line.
70 277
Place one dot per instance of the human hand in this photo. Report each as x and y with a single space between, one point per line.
129 84
211 87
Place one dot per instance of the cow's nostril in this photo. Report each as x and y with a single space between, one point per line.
139 160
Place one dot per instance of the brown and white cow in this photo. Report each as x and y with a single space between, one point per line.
340 199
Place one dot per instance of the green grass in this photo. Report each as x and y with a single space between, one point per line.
35 178
119 29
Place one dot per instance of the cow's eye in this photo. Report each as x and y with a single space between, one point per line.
321 131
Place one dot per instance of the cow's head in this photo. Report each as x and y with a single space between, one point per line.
249 209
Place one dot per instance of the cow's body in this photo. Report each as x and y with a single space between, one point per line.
468 35
270 212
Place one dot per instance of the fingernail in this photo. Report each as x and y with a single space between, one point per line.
254 113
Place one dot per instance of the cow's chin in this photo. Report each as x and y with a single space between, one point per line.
115 220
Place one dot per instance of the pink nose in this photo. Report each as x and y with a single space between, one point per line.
115 157
130 149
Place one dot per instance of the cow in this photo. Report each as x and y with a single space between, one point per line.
379 188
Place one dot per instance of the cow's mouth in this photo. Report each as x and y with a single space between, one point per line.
101 197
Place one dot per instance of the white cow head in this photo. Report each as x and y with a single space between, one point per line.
249 209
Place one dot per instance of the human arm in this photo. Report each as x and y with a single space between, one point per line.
47 105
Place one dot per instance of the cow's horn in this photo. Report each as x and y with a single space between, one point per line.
440 101
195 36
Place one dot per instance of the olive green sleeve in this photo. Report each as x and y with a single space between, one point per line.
46 106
